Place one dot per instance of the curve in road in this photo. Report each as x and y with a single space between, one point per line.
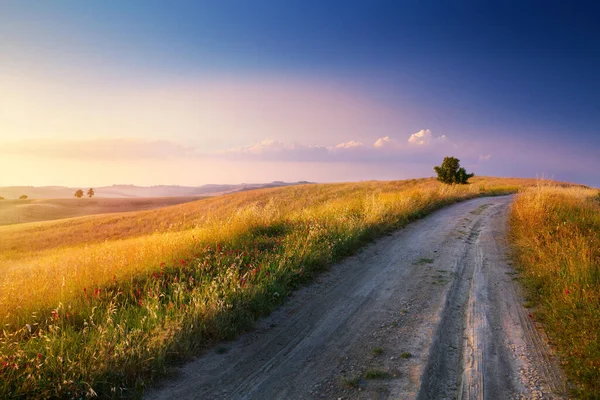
430 312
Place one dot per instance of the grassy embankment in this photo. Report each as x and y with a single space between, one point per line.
556 237
104 304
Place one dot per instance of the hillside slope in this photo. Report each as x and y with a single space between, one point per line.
108 301
37 210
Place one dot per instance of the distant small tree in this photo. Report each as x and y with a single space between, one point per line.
90 193
23 197
451 172
79 193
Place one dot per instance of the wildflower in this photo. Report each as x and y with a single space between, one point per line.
242 282
140 302
162 264
567 291
39 356
54 314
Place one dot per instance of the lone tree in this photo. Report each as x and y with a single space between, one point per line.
90 193
23 197
451 172
79 193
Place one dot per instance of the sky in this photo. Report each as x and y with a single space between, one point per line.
193 92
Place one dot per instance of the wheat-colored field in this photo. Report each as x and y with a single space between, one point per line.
36 210
104 303
556 237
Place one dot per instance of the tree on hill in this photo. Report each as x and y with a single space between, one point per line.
23 197
90 193
451 172
79 193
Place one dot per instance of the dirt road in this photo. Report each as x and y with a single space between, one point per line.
429 312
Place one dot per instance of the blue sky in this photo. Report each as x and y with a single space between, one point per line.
267 90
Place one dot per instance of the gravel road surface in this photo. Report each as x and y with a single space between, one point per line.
432 311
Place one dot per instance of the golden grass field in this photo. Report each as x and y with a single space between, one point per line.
104 304
556 237
36 210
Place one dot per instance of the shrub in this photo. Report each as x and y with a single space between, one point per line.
451 172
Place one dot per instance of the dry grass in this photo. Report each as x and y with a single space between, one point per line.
556 236
104 303
37 210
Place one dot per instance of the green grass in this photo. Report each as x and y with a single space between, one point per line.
351 382
555 233
373 374
405 355
424 261
377 351
107 304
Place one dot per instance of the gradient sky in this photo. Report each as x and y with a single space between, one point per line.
194 92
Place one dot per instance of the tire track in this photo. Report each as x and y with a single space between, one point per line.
435 298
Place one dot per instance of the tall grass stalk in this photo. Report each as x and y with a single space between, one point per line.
556 237
104 304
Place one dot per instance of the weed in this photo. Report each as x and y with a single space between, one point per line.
556 242
351 382
376 374
405 355
424 261
377 351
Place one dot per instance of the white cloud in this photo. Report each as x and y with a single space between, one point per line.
386 143
419 147
425 138
349 145
485 157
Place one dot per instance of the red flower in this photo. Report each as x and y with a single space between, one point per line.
567 291
39 356
162 264
140 302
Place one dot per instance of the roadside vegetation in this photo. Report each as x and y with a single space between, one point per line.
105 304
556 237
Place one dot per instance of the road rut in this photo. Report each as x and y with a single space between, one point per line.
431 312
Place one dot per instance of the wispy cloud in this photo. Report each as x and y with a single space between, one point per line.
97 149
418 145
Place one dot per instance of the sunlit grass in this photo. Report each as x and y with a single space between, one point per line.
104 303
556 236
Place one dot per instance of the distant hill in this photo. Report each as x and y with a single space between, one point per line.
132 191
